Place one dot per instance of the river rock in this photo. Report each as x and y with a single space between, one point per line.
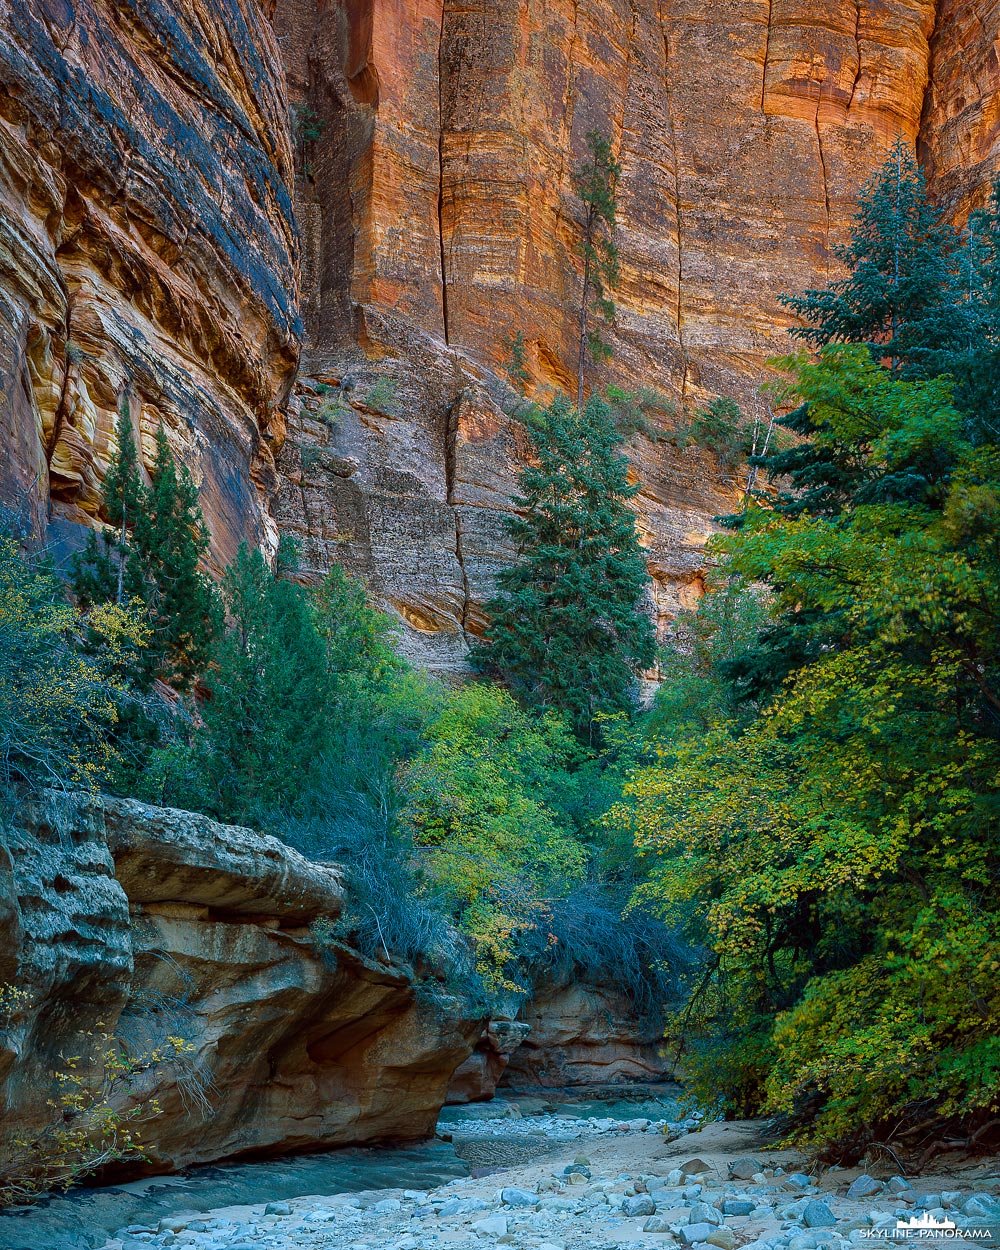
693 1234
491 1226
517 1198
722 1237
979 1206
864 1187
743 1169
818 1215
704 1213
640 1204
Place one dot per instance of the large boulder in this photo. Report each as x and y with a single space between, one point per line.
148 923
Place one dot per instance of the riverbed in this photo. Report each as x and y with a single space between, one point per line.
473 1140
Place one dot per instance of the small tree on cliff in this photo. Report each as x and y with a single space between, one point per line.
568 630
152 555
595 181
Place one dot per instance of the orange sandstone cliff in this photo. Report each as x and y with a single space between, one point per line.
194 191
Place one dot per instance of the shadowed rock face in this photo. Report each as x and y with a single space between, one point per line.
147 249
150 923
150 250
585 1035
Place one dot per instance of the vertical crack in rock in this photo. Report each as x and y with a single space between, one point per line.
920 144
826 180
59 417
672 130
450 473
440 202
857 48
767 51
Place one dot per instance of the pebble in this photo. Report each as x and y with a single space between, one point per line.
818 1215
517 1198
703 1213
692 1234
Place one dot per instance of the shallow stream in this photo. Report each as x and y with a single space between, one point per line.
479 1137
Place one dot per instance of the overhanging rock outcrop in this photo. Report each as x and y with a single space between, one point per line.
147 923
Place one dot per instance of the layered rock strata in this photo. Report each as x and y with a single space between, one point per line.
436 196
148 251
169 222
146 923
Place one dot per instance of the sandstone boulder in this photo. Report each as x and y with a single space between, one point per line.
149 923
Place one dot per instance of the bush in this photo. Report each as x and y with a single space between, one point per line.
97 1117
592 935
59 706
491 843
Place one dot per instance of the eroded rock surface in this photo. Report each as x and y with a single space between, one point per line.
586 1035
476 1080
149 923
148 250
438 215
169 221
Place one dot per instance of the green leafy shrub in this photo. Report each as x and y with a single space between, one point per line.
475 804
59 700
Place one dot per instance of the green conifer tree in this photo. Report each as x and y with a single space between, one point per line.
266 718
972 356
595 181
894 295
151 553
568 630
182 602
898 299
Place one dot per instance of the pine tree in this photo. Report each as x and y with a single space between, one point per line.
893 297
596 182
517 365
183 602
152 555
898 299
568 630
266 716
972 355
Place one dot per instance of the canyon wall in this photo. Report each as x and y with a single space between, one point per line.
194 190
148 252
145 923
436 197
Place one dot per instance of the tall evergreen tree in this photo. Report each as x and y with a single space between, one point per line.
151 553
595 181
972 355
894 294
266 716
898 299
173 538
568 630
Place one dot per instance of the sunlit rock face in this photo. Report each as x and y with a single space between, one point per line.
160 249
438 215
148 250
